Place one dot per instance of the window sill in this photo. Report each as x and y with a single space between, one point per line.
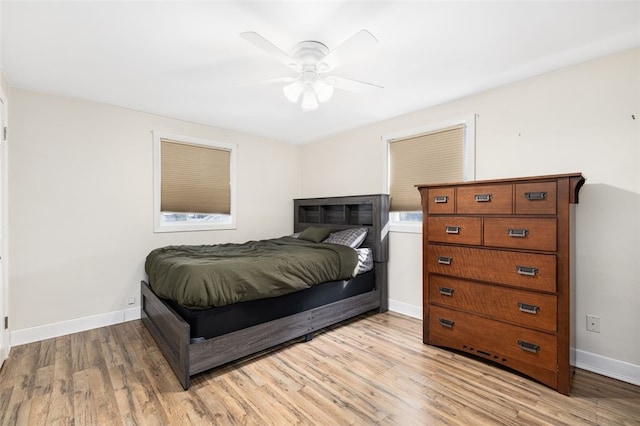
193 227
413 228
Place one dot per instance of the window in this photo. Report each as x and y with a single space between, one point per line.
194 184
444 152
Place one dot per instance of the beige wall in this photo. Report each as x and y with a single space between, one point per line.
80 203
576 119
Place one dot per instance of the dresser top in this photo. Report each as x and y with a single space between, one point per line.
506 180
576 181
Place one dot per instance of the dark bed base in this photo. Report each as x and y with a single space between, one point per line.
172 333
213 322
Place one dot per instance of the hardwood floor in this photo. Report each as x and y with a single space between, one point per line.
372 370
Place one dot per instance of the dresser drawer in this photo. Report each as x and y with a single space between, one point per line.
536 198
524 233
526 270
441 201
455 229
532 352
527 308
484 199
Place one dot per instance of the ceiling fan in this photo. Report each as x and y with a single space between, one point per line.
312 60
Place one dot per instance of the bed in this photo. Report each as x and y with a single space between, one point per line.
195 339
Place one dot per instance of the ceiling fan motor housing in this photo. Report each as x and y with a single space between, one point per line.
309 53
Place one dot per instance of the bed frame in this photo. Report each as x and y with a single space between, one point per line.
172 333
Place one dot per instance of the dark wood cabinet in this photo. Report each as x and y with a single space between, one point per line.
497 272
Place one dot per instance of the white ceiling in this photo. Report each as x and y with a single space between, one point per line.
185 59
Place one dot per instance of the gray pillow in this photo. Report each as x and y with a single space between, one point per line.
351 237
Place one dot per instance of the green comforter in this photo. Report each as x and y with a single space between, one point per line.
217 275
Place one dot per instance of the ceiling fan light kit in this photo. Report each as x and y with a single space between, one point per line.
293 91
309 101
313 88
323 89
311 59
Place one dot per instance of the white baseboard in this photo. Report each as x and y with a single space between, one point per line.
405 309
620 370
48 331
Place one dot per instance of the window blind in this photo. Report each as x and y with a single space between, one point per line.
194 178
434 157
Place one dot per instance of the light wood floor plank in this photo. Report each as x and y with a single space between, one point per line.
371 370
47 351
41 396
61 402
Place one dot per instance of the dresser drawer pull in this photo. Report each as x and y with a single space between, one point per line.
446 323
452 229
444 260
527 270
528 309
483 198
529 347
518 233
535 196
445 291
440 199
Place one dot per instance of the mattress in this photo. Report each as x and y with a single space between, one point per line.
212 322
204 276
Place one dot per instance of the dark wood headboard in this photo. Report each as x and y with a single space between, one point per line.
370 211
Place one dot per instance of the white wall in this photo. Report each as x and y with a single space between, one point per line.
4 86
81 203
577 119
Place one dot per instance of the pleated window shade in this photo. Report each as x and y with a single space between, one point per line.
435 157
195 179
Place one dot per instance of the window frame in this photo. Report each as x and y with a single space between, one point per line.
158 224
469 161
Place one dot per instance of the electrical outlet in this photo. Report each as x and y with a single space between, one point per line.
593 323
131 300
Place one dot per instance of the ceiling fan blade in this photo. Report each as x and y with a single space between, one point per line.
355 86
267 81
359 43
270 48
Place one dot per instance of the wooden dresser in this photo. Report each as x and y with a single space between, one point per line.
497 268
